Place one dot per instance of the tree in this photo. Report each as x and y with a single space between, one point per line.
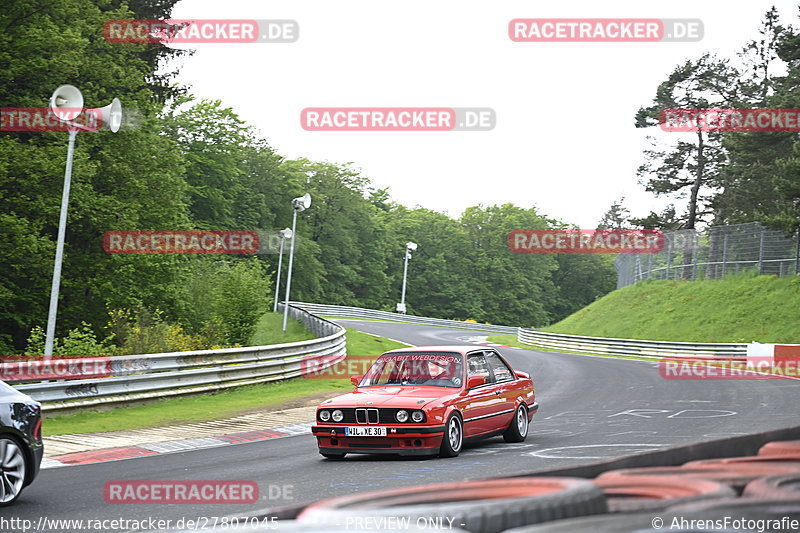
616 217
132 178
707 82
760 182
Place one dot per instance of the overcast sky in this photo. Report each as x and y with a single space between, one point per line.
564 140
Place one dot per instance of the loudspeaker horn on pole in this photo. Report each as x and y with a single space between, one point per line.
110 115
306 201
66 102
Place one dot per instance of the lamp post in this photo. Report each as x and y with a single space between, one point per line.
285 234
66 104
410 247
298 204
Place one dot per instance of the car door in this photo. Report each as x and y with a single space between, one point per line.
503 379
482 402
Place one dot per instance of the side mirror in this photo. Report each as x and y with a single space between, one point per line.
355 380
476 381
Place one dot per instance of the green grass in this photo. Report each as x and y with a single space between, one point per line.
740 308
219 405
269 331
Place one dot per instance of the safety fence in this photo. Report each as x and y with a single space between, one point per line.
629 347
141 377
358 312
713 254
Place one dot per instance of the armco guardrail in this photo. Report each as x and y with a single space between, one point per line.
358 312
629 347
139 377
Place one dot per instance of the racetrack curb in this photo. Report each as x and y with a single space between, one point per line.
173 446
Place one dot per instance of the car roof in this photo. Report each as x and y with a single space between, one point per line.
458 348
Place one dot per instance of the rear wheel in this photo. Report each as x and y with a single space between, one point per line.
12 470
453 437
333 456
518 429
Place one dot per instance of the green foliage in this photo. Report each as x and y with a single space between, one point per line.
187 164
731 178
239 298
79 342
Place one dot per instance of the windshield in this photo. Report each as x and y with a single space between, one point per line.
407 369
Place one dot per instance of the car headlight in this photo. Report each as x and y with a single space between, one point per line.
401 416
338 416
324 415
417 416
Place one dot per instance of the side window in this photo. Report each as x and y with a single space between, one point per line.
500 370
476 366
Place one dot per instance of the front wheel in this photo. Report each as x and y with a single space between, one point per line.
453 437
518 429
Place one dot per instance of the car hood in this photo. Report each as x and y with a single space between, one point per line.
390 396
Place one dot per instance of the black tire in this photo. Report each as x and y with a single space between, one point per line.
13 470
333 456
785 486
654 493
518 429
488 506
453 438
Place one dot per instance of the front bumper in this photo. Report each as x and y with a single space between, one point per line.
424 440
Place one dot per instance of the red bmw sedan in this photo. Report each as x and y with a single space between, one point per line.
427 401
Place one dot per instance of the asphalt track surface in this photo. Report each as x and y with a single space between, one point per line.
591 408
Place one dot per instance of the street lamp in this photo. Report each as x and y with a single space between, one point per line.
66 104
298 204
410 247
285 234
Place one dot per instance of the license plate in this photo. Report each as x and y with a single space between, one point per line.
364 432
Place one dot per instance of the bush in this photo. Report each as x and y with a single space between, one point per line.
79 342
141 331
239 298
223 299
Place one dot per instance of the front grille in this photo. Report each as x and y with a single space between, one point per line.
367 416
370 415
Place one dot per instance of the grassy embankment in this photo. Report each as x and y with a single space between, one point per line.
740 308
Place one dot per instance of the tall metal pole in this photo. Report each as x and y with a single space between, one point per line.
405 275
62 229
278 282
289 273
797 254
